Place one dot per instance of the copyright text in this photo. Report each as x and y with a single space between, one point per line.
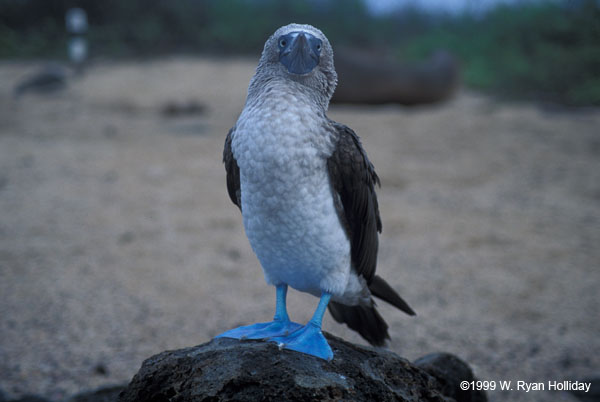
526 386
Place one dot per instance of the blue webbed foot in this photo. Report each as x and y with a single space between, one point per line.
280 326
308 339
262 330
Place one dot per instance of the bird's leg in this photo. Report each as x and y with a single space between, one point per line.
280 326
309 339
317 318
280 303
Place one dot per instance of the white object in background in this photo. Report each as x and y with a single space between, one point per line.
76 21
77 49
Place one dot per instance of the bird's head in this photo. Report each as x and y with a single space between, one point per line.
300 53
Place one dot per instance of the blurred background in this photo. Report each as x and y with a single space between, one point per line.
526 49
118 239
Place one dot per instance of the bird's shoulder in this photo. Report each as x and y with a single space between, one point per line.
350 158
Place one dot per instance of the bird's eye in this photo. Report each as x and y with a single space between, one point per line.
282 42
319 47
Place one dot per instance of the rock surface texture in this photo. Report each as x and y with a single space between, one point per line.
227 369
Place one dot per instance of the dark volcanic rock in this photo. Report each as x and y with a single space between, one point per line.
48 79
594 393
450 371
228 369
372 78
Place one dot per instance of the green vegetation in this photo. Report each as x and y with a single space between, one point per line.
543 50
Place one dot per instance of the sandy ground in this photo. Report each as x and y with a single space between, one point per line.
118 240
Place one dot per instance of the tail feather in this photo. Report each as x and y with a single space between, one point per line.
366 320
362 319
380 288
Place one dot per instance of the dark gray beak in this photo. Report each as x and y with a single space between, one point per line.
299 52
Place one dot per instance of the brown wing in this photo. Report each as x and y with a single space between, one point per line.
353 178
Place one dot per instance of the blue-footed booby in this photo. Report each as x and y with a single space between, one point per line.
306 191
